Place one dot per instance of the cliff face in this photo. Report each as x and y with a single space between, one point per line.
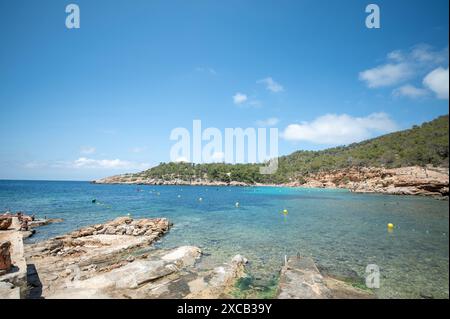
414 180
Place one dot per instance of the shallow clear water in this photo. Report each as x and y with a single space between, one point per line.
342 231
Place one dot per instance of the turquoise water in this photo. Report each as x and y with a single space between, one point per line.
342 231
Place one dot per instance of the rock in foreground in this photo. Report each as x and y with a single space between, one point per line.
300 279
116 260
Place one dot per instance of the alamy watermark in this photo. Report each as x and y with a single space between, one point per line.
230 147
73 17
373 20
372 276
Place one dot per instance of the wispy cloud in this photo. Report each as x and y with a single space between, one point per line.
84 162
272 121
33 164
410 91
87 150
138 149
239 98
437 81
333 129
271 85
208 70
88 163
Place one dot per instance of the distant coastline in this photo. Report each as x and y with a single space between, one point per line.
409 162
414 180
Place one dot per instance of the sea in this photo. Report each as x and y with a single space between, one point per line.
342 232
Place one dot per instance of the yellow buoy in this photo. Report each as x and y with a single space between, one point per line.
390 226
285 211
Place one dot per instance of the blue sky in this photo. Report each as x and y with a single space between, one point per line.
103 99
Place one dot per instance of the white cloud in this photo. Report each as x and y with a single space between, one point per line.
424 53
272 121
333 129
437 81
396 56
410 91
386 75
84 162
402 66
239 98
271 85
87 150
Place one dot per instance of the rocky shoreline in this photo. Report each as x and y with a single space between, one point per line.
118 260
413 180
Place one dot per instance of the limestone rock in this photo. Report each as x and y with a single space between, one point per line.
414 180
219 282
301 279
5 257
5 222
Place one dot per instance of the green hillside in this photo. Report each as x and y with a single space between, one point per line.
420 145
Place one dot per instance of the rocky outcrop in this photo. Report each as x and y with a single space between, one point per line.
5 257
13 282
42 222
27 223
5 222
141 180
128 281
92 249
414 180
116 260
86 241
300 279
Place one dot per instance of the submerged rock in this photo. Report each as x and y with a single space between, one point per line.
219 282
301 279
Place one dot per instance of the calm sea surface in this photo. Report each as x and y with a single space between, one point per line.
343 232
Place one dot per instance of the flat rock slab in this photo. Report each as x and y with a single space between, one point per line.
125 280
9 291
301 279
